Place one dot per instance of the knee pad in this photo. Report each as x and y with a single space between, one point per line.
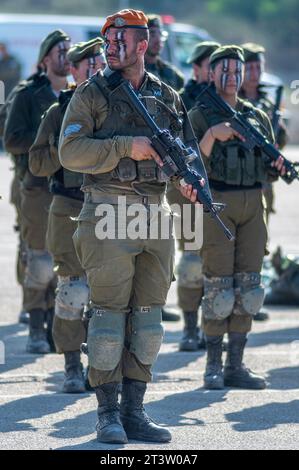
190 270
39 269
219 298
146 333
72 294
249 293
105 338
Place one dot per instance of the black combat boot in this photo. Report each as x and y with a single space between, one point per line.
190 339
109 426
137 424
74 379
235 373
49 322
37 340
213 378
169 316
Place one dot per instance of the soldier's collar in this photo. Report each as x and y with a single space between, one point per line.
152 78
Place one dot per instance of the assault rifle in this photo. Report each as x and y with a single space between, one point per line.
178 160
242 123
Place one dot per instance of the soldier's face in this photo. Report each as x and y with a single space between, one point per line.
228 76
156 41
87 67
202 71
253 72
56 59
121 48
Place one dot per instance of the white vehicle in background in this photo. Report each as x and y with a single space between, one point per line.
181 41
24 33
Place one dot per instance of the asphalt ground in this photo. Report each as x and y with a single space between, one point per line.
34 414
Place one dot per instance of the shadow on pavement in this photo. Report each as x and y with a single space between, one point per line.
15 347
174 361
14 414
283 336
264 417
172 409
285 378
93 445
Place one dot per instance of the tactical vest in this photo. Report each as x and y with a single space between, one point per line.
230 162
123 120
66 182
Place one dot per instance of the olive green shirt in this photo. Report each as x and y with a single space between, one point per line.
80 151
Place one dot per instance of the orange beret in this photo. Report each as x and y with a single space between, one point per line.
126 19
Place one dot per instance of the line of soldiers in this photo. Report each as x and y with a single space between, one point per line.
76 147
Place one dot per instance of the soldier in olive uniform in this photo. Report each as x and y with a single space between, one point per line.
232 281
200 60
167 72
189 270
72 291
15 195
105 138
25 113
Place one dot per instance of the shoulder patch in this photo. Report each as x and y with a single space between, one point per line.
72 129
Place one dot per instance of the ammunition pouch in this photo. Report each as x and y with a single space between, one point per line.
129 170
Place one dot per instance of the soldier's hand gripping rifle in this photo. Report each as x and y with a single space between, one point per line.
178 160
254 137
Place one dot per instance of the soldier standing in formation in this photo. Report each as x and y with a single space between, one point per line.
15 192
154 63
106 140
200 61
26 110
72 292
105 146
232 281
